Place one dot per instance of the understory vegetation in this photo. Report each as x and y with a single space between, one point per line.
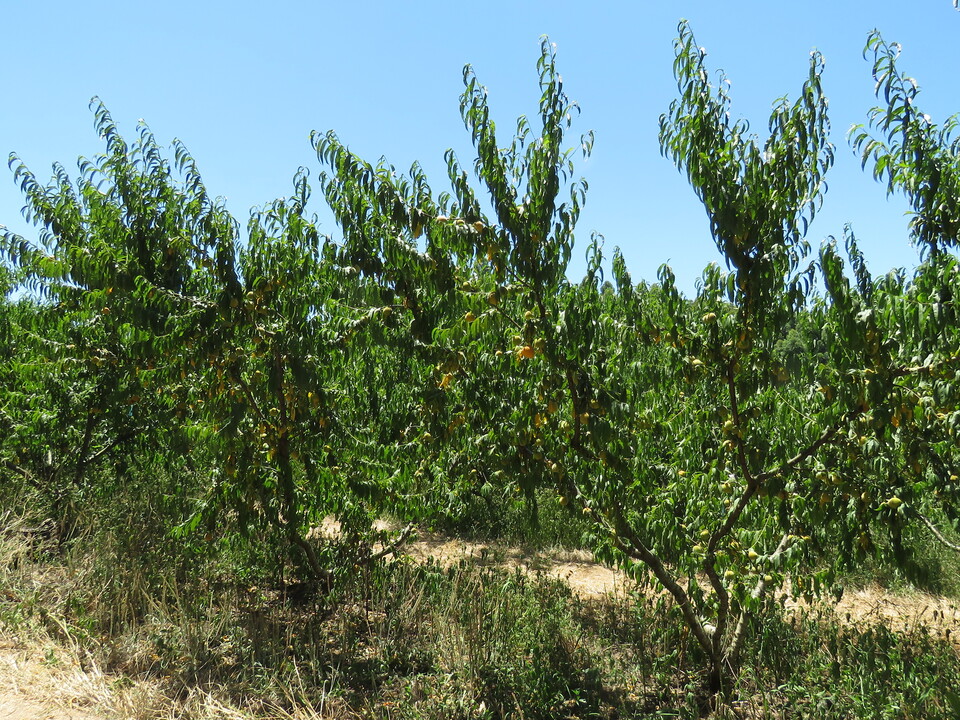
466 639
215 447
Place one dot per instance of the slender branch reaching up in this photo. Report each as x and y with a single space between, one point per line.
736 640
13 467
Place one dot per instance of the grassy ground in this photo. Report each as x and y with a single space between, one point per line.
414 639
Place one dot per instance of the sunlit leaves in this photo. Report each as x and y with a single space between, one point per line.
524 181
910 152
760 199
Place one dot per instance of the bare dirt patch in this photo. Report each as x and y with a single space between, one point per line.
45 684
907 611
872 605
576 568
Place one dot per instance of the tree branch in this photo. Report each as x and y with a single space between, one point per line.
736 640
394 546
723 597
933 529
22 472
637 550
825 437
123 437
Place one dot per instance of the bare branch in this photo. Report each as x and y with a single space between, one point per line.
825 437
933 529
25 474
736 639
635 548
394 546
123 437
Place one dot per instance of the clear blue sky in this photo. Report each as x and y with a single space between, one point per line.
243 84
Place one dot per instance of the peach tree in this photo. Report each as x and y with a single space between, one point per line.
723 447
252 367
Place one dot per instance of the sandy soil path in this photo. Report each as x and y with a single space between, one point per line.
15 707
36 686
871 605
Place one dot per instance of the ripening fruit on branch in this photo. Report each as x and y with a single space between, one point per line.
469 317
525 353
730 429
894 502
709 318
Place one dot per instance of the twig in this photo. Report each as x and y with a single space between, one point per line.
936 533
394 546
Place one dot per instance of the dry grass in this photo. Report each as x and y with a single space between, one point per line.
901 611
48 673
39 676
48 667
41 679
